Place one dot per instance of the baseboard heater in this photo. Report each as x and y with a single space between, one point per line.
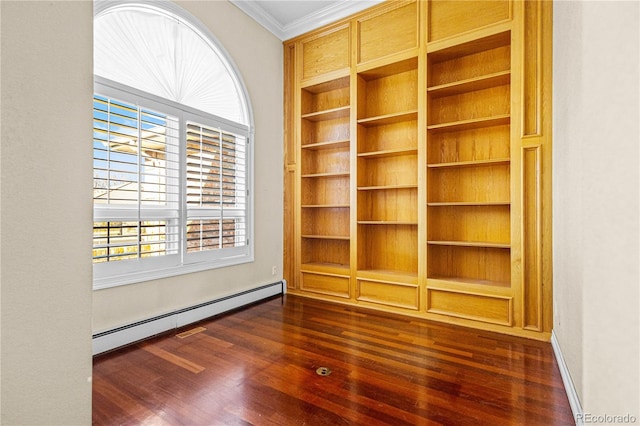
131 333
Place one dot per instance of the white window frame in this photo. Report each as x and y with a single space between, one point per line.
111 274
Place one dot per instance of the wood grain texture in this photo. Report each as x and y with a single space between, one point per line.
259 368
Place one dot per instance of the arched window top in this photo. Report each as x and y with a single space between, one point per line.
158 51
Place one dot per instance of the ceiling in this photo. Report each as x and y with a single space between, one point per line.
289 18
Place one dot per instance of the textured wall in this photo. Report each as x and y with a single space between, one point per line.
596 193
46 86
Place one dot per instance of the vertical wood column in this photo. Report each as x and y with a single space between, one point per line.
536 167
290 160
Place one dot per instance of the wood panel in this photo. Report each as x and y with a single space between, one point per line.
480 307
393 30
399 295
532 244
326 53
290 253
259 368
532 73
325 284
449 18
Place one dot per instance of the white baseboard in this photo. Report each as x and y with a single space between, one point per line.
121 336
569 388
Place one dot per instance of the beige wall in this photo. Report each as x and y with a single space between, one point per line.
596 193
258 56
48 311
46 86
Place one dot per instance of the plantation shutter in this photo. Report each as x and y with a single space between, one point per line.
216 191
136 182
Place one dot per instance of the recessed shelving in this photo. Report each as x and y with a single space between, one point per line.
414 185
324 173
468 163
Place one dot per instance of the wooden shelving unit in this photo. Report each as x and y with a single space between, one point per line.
422 161
387 171
469 212
325 175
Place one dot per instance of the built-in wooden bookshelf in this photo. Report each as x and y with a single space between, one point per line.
422 135
325 175
387 170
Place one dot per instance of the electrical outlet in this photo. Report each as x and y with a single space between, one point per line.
273 270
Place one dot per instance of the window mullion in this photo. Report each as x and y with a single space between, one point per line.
220 174
201 184
139 178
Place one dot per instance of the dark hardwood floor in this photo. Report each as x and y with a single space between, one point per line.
258 366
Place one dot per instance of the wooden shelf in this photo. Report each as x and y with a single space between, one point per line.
325 206
321 175
461 280
327 145
391 275
474 123
471 84
473 163
396 117
470 203
330 114
386 222
326 237
325 267
389 153
470 244
385 187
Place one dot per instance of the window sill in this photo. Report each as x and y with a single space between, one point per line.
157 274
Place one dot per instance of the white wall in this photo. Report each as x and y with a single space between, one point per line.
596 194
258 56
46 86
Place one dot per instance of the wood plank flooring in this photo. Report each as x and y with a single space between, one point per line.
258 366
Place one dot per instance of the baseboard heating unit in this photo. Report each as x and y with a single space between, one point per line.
124 335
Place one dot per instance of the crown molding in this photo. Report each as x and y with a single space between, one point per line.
308 22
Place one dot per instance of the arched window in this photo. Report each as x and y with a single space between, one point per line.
171 147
